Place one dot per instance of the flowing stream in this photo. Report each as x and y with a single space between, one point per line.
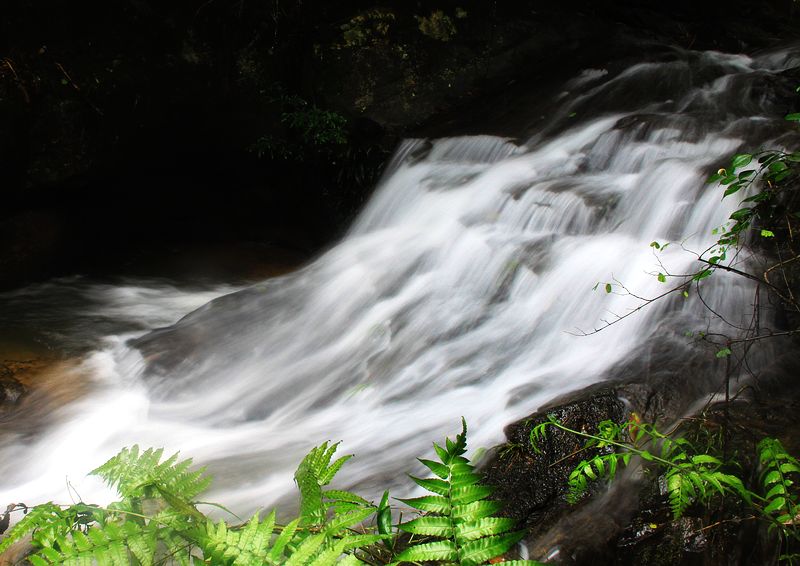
460 290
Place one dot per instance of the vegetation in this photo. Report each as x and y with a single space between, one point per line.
309 129
690 476
157 520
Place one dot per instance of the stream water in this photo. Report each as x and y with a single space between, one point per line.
461 289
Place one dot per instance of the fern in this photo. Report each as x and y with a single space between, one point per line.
139 475
690 477
458 514
781 502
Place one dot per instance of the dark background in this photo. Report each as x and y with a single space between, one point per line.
128 128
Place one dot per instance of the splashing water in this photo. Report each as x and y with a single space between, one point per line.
453 294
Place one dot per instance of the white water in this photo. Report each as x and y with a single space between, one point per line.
452 295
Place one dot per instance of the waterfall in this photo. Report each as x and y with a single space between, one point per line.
463 288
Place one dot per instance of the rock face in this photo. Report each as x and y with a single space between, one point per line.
630 521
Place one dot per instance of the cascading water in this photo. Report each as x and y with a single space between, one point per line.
453 294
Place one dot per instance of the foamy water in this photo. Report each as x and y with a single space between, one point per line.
456 292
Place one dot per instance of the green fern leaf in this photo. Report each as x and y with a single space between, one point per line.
479 551
282 540
463 495
482 527
330 556
437 486
439 550
476 510
430 503
352 542
331 471
306 550
37 518
429 526
340 522
440 470
345 496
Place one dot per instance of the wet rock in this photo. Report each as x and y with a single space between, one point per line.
534 482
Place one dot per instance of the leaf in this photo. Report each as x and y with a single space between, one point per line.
471 493
775 505
439 550
655 245
732 189
702 275
430 503
723 353
772 477
741 160
794 117
440 470
662 278
429 526
437 486
477 510
767 234
479 551
777 489
472 530
608 287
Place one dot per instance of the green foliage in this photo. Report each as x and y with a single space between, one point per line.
458 516
156 520
438 26
772 176
308 129
778 475
691 476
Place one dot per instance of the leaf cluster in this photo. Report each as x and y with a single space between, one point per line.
690 475
157 520
459 517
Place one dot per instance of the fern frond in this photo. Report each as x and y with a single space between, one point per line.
315 472
37 518
131 472
458 513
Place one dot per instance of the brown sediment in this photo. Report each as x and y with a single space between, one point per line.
34 391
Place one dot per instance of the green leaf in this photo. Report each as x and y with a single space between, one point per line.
702 275
306 550
608 287
794 117
429 526
662 278
429 503
723 353
440 470
470 494
437 486
775 505
476 510
741 160
732 189
479 551
772 477
472 530
655 245
439 550
777 489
